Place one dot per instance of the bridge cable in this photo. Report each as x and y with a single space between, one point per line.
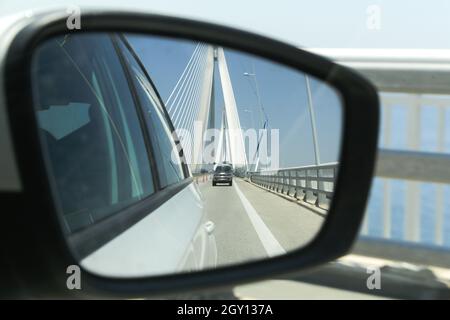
182 75
187 95
179 111
199 91
190 110
179 89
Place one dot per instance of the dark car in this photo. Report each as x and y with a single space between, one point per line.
223 174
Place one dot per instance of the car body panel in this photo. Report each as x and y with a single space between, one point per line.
170 239
118 261
9 173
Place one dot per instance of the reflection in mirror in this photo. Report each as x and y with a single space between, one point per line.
125 120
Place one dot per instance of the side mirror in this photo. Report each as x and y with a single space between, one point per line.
95 116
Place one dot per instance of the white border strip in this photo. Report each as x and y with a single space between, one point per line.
270 243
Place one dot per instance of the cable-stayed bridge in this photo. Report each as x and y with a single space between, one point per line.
191 107
268 207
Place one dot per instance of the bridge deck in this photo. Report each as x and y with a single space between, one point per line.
253 223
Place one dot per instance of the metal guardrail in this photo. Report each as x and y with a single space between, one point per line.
414 90
414 71
413 165
310 184
201 177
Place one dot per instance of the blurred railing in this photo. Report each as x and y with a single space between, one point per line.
310 184
201 177
406 160
410 199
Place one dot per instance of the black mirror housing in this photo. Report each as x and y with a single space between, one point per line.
31 237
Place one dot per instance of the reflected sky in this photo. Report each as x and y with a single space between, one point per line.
282 91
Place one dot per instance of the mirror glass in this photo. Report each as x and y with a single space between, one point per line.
168 155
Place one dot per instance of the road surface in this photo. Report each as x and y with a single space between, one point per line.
253 223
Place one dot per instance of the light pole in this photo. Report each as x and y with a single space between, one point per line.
320 184
258 96
313 121
250 112
262 114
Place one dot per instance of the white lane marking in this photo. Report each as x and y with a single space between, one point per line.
270 243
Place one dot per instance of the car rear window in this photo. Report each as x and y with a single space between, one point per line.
223 169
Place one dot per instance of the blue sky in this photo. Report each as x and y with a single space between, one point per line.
318 23
282 91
